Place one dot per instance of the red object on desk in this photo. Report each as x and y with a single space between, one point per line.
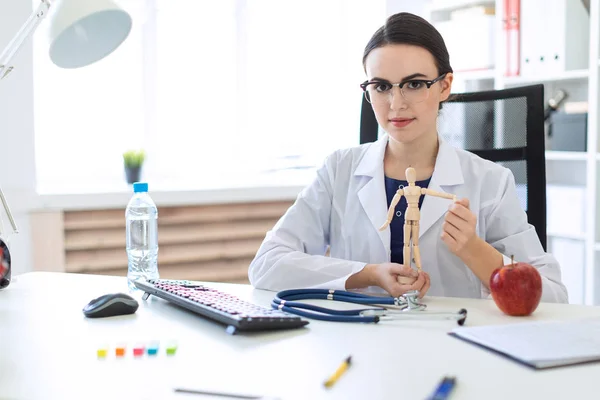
516 288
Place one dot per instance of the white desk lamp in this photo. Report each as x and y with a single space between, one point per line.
81 33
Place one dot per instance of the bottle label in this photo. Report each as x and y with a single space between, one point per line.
142 233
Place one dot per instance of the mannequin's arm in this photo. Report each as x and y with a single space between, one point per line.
395 200
434 193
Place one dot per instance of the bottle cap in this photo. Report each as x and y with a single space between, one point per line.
140 187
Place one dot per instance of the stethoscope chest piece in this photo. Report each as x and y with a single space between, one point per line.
409 301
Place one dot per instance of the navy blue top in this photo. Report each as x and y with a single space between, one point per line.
397 224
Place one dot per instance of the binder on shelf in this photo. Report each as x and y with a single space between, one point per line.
466 29
554 39
512 31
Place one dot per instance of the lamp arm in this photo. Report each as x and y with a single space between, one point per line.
5 59
10 216
26 30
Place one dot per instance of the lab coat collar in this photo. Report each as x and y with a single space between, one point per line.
372 195
447 173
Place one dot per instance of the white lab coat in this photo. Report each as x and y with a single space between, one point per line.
346 203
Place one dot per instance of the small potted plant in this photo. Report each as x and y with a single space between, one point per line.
133 161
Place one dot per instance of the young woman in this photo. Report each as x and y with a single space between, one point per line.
461 243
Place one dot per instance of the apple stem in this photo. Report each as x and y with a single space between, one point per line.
512 261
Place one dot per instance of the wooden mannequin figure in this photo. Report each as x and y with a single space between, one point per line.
412 216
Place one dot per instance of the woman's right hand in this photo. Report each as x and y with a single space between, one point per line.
386 277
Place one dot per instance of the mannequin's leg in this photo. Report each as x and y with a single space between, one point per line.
407 280
415 239
407 244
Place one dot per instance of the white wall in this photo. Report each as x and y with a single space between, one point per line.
17 163
416 7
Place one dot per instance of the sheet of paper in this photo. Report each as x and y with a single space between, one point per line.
542 343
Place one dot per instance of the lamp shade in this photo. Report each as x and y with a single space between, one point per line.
85 31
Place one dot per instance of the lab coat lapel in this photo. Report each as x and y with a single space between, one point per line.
372 195
447 172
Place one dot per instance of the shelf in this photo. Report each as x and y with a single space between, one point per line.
565 76
450 5
552 155
566 155
474 75
572 236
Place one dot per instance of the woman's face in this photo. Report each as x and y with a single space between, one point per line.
406 120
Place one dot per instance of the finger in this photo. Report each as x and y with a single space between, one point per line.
403 270
396 289
419 283
453 231
405 280
464 202
461 211
405 288
423 291
449 240
416 285
458 222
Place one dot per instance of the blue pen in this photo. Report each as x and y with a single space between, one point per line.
442 392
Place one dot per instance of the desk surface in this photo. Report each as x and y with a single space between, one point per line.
48 350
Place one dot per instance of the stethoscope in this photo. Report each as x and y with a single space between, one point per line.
407 306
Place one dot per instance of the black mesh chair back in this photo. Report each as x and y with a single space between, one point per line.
504 126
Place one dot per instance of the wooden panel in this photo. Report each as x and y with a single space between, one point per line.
170 234
179 215
94 260
47 238
209 242
235 271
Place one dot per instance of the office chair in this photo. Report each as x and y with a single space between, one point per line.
504 126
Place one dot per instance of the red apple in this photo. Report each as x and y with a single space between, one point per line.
516 288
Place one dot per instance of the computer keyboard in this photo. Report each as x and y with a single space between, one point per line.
237 314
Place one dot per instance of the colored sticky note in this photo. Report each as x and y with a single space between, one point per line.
171 349
138 351
120 351
102 353
153 349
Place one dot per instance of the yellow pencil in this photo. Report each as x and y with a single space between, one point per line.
337 374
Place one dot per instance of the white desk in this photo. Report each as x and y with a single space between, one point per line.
48 350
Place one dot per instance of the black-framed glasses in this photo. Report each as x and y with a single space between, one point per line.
413 90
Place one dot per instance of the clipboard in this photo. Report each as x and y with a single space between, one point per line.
539 344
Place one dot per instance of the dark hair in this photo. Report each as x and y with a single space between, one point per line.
406 28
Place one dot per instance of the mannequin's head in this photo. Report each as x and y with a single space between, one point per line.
411 175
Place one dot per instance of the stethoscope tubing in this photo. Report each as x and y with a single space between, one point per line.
285 300
337 295
325 317
323 310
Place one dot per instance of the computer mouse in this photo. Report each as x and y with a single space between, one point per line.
111 305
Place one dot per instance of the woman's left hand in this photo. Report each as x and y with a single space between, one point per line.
458 231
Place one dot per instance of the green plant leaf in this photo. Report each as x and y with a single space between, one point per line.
134 158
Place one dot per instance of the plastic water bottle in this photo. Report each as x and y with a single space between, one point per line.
141 232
